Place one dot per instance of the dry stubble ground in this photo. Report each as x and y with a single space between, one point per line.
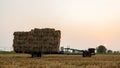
59 61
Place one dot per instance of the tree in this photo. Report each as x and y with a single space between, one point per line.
109 51
101 49
116 52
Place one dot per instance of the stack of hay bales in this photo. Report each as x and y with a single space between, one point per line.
45 40
20 41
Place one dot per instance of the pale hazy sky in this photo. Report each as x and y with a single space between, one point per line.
83 23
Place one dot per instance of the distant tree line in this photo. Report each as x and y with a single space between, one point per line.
7 52
101 49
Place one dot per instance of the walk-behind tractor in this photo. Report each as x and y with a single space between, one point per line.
84 53
88 53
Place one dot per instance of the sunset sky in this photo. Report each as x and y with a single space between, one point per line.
83 23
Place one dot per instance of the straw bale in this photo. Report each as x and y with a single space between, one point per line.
37 40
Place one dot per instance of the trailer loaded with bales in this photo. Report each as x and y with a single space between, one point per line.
40 41
37 41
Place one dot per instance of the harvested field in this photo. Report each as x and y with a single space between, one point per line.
59 61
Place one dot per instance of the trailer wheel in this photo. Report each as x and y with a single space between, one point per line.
39 55
36 55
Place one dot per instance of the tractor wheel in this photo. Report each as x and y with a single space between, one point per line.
89 54
84 54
